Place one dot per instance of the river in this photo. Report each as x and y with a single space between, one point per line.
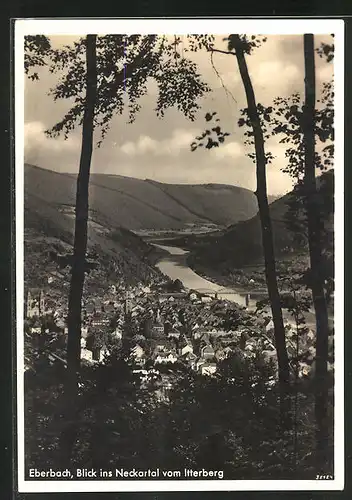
175 266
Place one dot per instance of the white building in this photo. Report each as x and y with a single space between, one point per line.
185 349
208 369
117 334
206 299
164 357
87 355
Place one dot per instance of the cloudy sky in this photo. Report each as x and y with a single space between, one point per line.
159 149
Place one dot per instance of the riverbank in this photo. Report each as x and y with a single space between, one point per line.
251 279
240 280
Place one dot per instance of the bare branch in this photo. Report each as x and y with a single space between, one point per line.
228 92
227 52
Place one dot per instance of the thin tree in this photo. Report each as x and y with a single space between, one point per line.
310 208
78 267
315 253
238 46
264 214
103 75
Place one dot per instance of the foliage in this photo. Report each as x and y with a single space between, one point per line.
212 422
125 64
36 51
211 137
326 50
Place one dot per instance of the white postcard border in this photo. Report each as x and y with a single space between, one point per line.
184 26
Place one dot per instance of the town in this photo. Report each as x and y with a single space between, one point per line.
155 326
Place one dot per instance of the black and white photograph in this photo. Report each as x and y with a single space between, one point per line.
179 242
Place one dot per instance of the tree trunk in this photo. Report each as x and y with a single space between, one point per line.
315 253
79 256
265 220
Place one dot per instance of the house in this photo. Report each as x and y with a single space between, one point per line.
208 368
191 359
174 334
310 335
103 353
206 299
84 331
86 355
157 330
36 328
163 345
164 357
60 322
100 322
202 335
138 355
128 306
117 333
198 363
185 347
223 353
269 324
207 351
193 296
137 351
83 342
269 353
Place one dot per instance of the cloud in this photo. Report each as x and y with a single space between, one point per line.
129 148
180 140
273 72
325 73
56 154
35 138
229 150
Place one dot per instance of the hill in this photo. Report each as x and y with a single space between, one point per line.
121 256
240 245
144 204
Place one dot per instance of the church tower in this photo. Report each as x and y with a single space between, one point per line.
41 303
128 306
32 308
28 304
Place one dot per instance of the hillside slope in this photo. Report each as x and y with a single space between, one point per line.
143 204
122 256
240 245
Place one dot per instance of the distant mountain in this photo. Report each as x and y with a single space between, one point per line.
241 244
145 204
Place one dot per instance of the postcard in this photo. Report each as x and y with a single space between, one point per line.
179 205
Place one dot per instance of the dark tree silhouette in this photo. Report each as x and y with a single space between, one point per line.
301 125
265 220
78 268
239 45
315 252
